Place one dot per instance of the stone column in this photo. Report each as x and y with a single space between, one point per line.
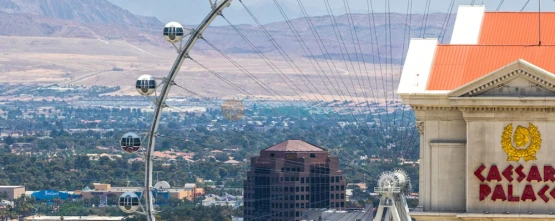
423 161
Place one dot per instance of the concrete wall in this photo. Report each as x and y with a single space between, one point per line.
442 159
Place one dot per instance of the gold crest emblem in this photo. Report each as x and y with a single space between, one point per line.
521 137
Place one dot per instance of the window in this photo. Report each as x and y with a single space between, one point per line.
296 189
342 196
331 196
302 179
312 155
302 197
272 155
302 188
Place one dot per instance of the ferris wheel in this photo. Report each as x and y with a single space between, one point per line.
390 122
147 85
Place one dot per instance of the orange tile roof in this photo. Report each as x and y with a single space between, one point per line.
456 65
517 28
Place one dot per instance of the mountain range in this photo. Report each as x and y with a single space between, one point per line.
342 34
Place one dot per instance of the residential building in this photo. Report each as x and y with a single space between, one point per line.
13 192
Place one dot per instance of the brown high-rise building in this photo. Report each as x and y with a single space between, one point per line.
289 178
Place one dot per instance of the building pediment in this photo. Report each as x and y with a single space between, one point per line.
518 79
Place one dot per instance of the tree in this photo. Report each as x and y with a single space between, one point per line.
222 157
9 140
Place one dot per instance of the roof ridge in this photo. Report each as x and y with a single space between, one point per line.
292 144
519 12
484 45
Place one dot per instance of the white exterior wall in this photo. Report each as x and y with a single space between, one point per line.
468 24
442 160
418 64
448 164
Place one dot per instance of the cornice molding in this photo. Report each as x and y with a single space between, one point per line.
519 68
434 108
509 76
484 109
507 109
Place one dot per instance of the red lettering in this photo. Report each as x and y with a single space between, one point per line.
541 194
485 190
508 173
478 173
510 193
552 193
498 193
534 174
528 193
521 175
494 174
548 173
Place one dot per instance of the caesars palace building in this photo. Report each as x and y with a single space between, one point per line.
485 110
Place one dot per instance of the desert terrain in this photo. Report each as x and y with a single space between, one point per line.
89 62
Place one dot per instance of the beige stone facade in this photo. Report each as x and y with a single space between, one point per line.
487 137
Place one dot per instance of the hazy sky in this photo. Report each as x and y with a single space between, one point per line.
193 11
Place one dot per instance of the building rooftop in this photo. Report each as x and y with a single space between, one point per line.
11 186
505 37
295 146
517 28
68 218
457 65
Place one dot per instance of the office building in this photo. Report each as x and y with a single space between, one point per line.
292 177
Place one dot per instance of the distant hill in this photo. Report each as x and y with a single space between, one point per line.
83 11
76 19
100 19
336 37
